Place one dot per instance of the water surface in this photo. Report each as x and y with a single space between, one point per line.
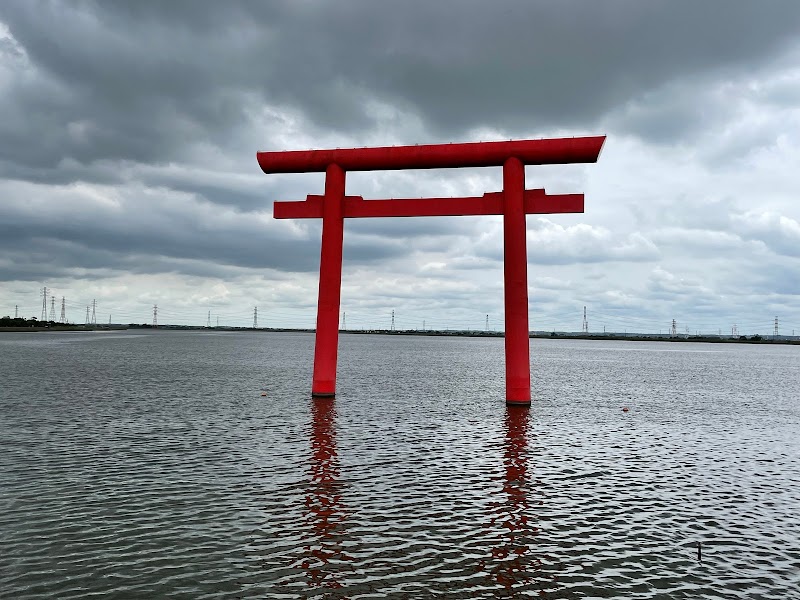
148 464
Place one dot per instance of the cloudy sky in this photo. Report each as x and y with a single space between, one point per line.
128 134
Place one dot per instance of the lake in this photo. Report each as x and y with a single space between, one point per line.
149 464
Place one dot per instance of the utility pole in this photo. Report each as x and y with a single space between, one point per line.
585 322
44 303
255 317
155 316
63 310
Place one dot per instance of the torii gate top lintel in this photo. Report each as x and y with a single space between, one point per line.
513 202
435 156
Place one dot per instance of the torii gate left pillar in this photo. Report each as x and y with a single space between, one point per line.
326 348
515 279
514 202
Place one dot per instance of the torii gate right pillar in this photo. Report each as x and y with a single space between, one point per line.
515 275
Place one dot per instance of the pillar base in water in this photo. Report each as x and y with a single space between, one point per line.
323 394
518 402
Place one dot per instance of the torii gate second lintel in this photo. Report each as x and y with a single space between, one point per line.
514 202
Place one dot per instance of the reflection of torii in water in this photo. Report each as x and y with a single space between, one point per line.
324 508
512 563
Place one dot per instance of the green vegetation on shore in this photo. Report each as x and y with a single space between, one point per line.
34 324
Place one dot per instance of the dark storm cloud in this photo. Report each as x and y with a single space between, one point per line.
145 80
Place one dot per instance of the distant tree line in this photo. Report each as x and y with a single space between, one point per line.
21 322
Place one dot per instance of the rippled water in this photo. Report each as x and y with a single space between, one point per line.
149 465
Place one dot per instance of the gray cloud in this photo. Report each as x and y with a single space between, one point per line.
140 81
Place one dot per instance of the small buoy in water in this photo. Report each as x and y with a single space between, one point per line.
625 409
263 394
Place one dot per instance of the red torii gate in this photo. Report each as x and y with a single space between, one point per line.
514 202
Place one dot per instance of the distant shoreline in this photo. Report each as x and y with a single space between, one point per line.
631 337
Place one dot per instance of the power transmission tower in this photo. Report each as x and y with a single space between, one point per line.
775 333
63 310
344 321
392 320
94 312
87 316
52 308
44 304
585 322
16 311
674 331
208 322
423 324
155 316
217 321
109 319
255 317
487 323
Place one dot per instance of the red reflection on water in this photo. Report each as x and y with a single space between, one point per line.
324 506
512 563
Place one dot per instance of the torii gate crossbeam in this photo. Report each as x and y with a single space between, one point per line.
514 202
